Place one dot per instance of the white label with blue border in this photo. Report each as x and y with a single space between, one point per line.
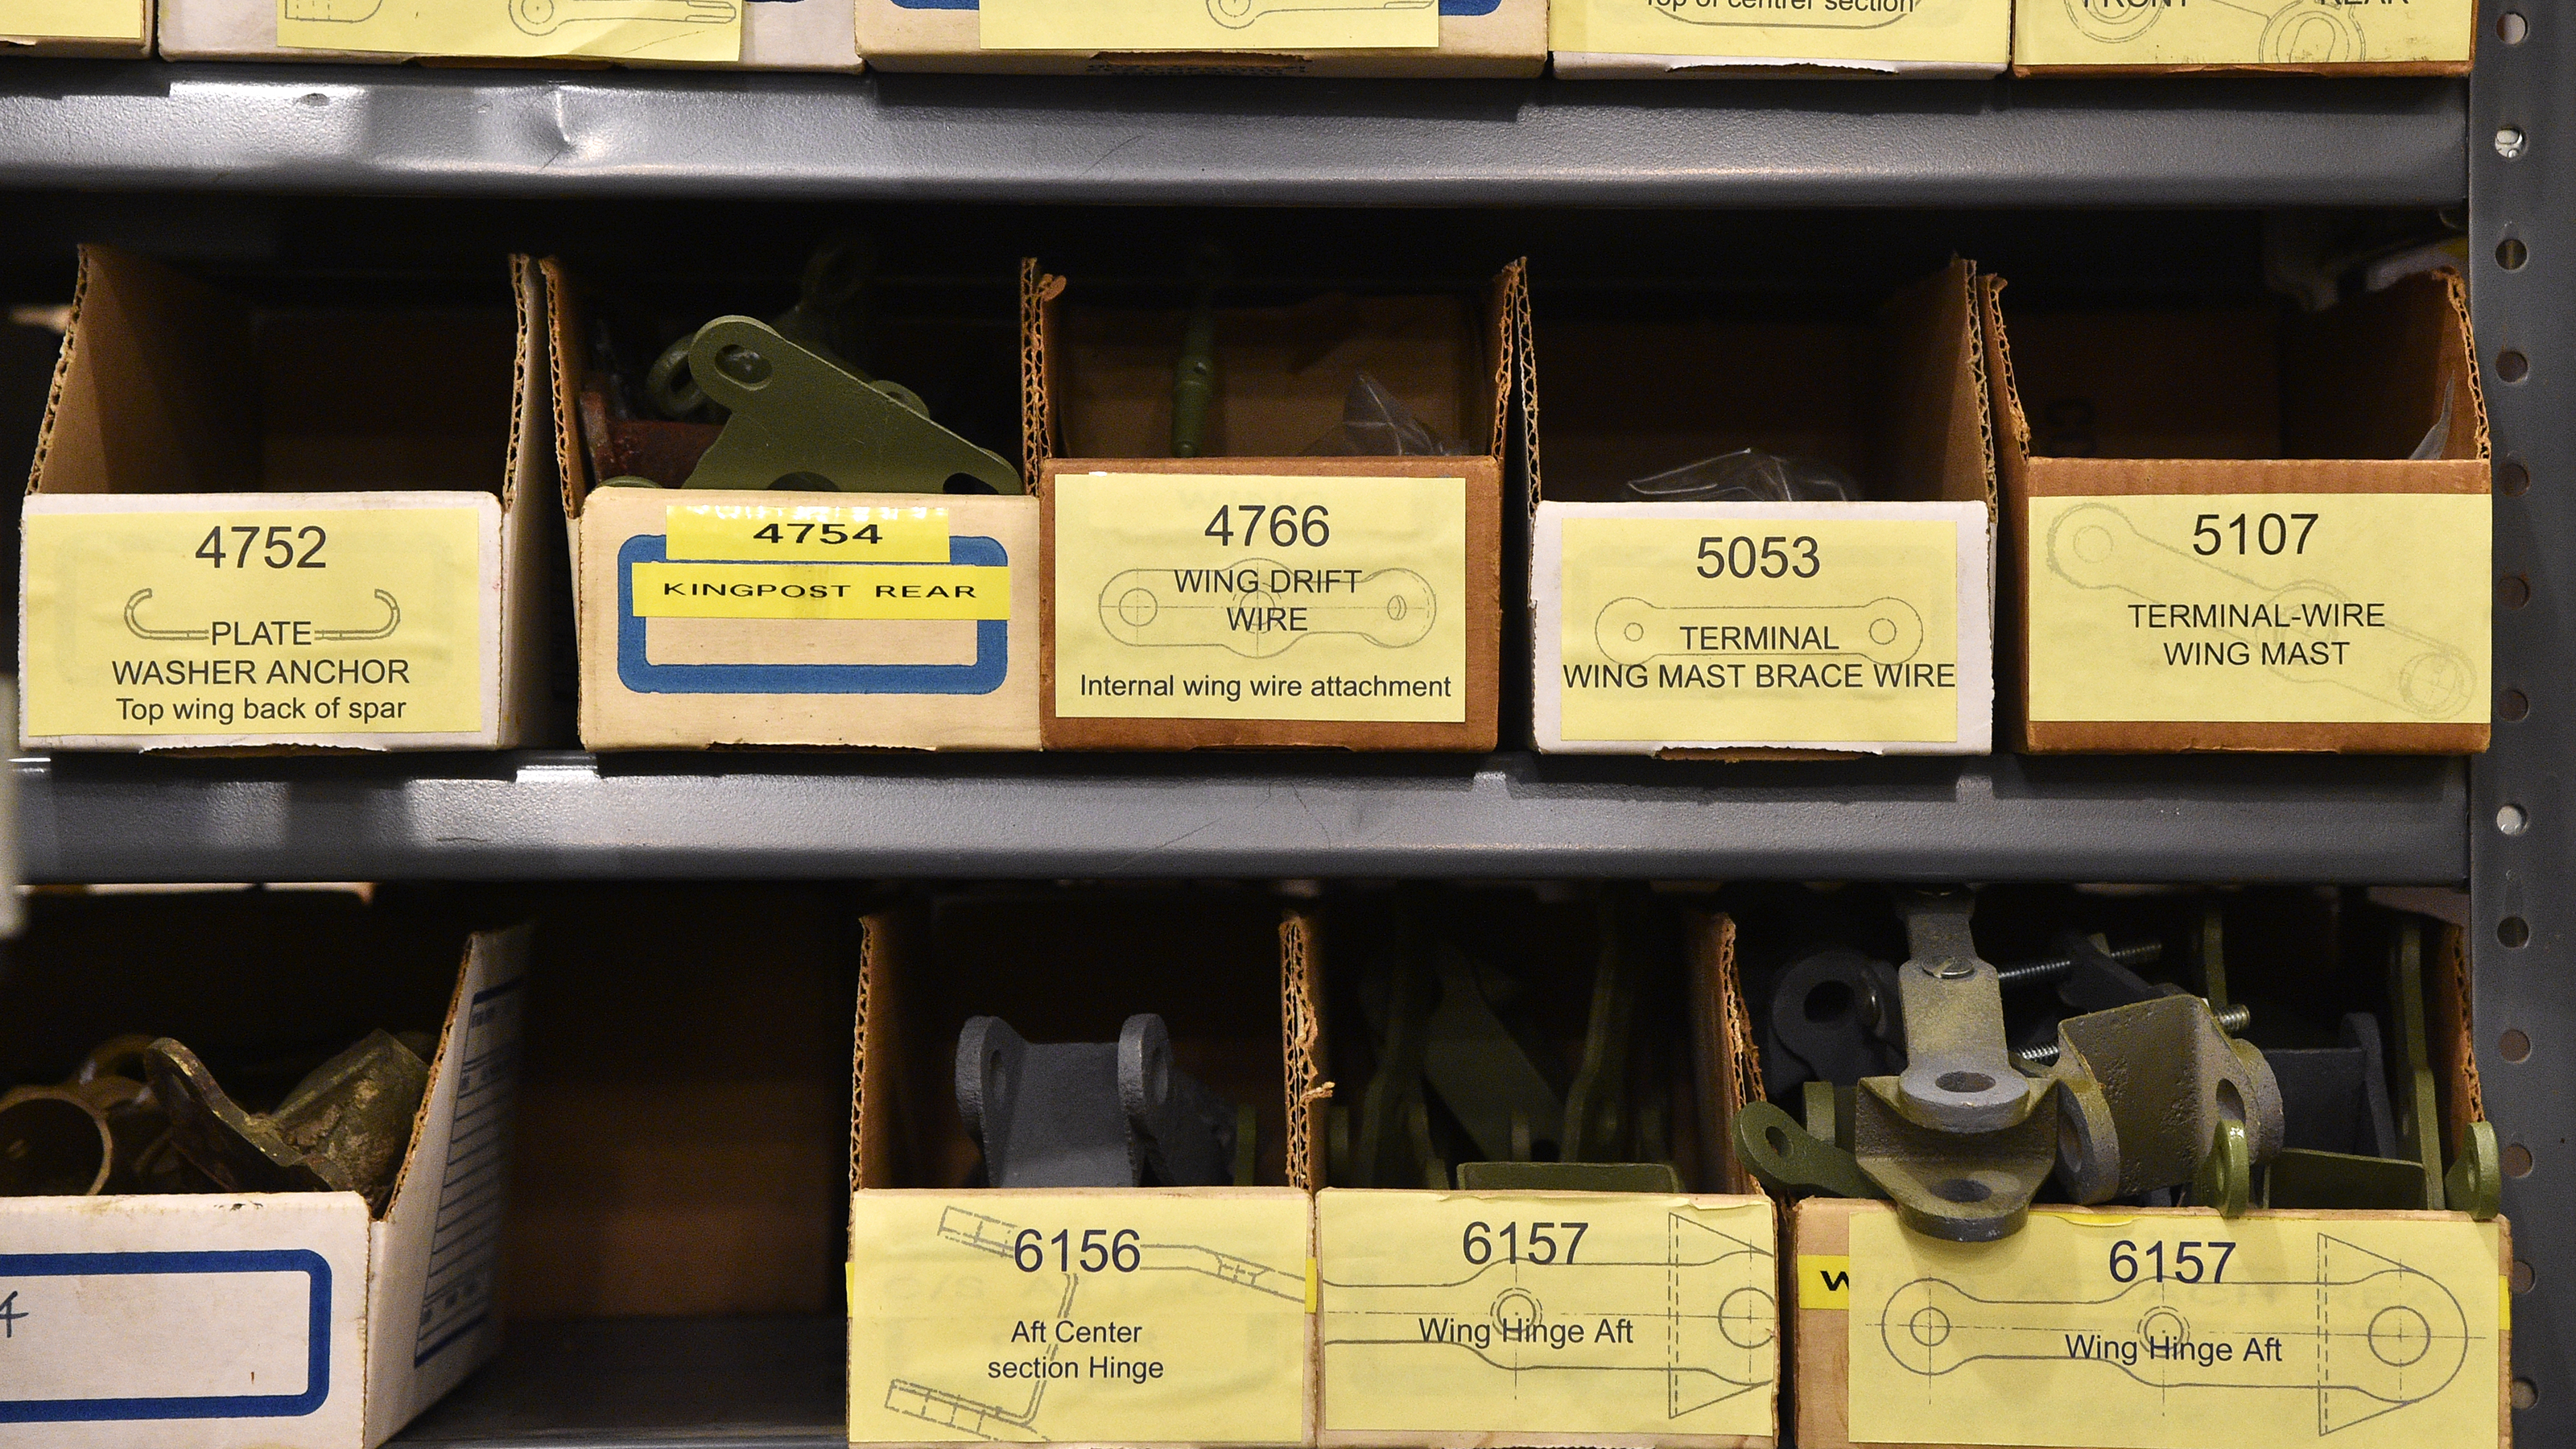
127 1336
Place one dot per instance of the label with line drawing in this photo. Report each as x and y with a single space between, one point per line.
1547 1313
2179 1330
1078 1315
1765 624
2295 607
2242 32
1203 596
212 616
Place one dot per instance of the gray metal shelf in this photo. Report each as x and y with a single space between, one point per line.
652 1383
2241 142
2379 821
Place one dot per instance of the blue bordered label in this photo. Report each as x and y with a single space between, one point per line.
27 1275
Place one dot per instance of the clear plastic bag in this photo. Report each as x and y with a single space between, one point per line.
1375 425
1747 475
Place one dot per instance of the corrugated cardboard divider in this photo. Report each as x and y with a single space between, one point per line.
1098 400
1027 958
2223 401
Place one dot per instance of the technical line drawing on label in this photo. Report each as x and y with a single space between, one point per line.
545 17
1237 14
135 625
1884 630
1703 1318
1260 609
2382 1336
2095 546
986 1234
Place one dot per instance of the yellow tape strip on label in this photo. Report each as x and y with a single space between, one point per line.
1194 596
1181 25
1824 1281
1744 629
73 19
1132 1316
703 31
821 591
256 621
2178 1331
804 532
2275 32
1956 32
2326 607
1547 1313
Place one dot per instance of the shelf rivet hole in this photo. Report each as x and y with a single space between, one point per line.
2513 819
2513 931
2512 366
2524 1276
2513 590
2511 28
2525 1393
2513 479
2513 706
2517 1161
2511 254
2514 1044
2510 142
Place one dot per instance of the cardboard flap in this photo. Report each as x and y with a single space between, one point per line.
155 390
1301 1021
1939 425
2421 373
1038 434
567 362
2013 446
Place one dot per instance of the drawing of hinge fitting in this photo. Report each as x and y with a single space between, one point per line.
544 17
135 625
1236 14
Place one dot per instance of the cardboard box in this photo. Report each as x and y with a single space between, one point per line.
110 29
691 34
2299 37
922 662
2388 1329
1649 39
1683 628
286 526
1490 38
1087 1315
1352 602
1454 1319
257 1321
2235 528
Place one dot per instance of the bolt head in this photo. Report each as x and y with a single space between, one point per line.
2510 142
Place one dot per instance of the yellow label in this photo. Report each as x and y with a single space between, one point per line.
1824 1281
2177 1331
2232 32
258 621
1194 596
805 532
1547 1313
1209 24
73 19
1955 32
674 30
2333 607
821 591
1746 629
1085 1316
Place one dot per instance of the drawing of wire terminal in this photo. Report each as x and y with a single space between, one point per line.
1236 14
1701 1318
134 624
1883 631
2095 546
545 17
2367 1335
1260 609
986 1234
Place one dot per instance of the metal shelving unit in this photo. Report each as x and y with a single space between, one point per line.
68 128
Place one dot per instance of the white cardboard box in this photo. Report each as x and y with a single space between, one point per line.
277 1320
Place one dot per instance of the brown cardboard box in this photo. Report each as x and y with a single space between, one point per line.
1488 38
1821 1230
286 526
697 683
1215 1346
1899 404
339 1323
1099 405
1488 1265
2156 408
